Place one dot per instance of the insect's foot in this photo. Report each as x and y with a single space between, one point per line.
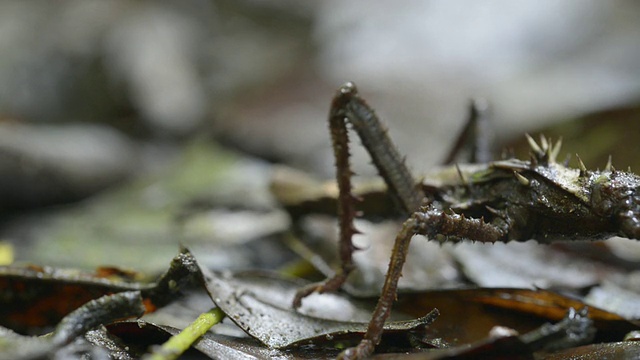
362 351
332 284
303 293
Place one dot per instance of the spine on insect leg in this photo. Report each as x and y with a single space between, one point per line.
454 227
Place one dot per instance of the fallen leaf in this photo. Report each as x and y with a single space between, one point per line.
260 304
36 298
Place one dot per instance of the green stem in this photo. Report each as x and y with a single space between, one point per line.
179 343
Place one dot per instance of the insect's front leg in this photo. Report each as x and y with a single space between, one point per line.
347 106
430 223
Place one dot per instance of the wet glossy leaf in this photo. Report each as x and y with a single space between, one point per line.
575 328
627 350
499 348
214 346
35 298
103 310
110 344
468 315
260 304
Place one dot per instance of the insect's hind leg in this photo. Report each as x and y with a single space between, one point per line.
348 106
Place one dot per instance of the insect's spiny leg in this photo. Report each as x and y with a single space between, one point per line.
346 201
385 155
348 106
457 227
388 294
430 223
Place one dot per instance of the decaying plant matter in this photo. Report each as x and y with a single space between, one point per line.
496 201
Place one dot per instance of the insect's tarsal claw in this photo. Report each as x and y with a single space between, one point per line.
608 167
523 180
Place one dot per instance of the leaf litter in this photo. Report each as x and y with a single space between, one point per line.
260 304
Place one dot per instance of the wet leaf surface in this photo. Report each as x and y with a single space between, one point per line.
260 304
619 350
574 329
214 346
467 316
106 309
35 298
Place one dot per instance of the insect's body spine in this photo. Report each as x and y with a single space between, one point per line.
534 200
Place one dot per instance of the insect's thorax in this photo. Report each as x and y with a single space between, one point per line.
546 202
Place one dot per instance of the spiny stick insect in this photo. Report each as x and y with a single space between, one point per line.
489 202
